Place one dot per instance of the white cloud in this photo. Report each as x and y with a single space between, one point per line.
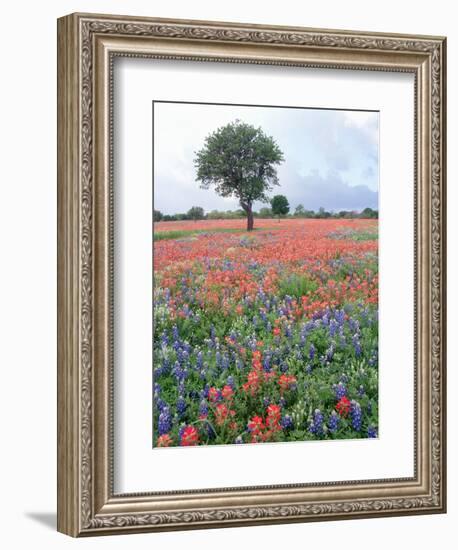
343 143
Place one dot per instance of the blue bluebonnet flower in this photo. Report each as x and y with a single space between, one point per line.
356 415
204 391
176 345
286 422
284 366
180 357
266 363
164 339
181 406
230 382
164 421
308 369
266 401
373 360
333 421
354 325
316 425
175 333
361 390
340 390
356 345
339 316
225 362
160 404
238 440
161 368
333 326
303 336
203 408
372 432
179 372
312 351
330 353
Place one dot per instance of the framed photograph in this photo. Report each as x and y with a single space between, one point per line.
251 289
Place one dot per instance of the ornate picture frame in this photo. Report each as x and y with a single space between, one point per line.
87 46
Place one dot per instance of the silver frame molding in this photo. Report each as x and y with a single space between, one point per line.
87 45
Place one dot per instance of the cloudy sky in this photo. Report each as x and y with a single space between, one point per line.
331 157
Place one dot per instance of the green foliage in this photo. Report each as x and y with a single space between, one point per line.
196 213
239 161
299 210
296 286
166 235
280 205
322 213
265 212
369 213
157 215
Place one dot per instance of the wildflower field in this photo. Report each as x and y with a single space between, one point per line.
265 336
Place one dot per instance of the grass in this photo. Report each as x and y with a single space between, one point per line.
296 286
165 235
355 235
181 234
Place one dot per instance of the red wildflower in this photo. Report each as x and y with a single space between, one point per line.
221 414
286 381
227 392
213 394
343 406
274 411
164 441
269 375
273 417
256 424
189 436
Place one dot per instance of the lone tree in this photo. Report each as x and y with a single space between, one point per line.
239 160
280 206
196 213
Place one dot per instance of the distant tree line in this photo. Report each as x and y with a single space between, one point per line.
279 208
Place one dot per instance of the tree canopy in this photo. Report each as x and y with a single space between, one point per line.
239 161
196 213
280 205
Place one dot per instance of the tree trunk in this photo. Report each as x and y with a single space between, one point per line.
249 219
248 208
